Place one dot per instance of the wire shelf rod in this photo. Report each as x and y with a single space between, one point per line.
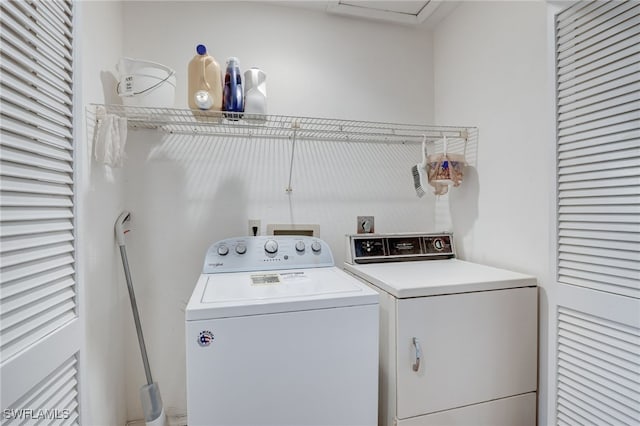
218 123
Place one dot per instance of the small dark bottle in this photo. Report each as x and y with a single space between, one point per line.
233 100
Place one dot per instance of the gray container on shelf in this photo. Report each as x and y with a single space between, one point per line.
255 91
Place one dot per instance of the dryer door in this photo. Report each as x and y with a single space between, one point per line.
463 349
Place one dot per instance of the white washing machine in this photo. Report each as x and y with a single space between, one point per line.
458 340
277 335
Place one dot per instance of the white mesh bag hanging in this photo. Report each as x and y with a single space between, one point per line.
445 170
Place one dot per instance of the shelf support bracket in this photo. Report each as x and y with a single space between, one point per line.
295 126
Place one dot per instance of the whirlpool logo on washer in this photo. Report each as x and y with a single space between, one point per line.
205 338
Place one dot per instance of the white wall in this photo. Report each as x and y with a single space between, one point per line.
316 64
100 195
187 192
491 71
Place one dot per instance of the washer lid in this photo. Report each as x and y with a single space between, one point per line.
266 292
437 277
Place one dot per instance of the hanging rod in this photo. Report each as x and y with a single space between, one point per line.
227 124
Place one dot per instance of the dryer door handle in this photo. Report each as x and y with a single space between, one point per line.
418 356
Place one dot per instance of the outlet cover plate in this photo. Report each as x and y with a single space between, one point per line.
365 225
252 223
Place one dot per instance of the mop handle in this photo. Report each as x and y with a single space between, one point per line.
136 316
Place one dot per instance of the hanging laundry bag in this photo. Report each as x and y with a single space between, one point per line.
445 170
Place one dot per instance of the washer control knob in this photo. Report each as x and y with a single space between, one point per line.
438 244
241 249
316 246
271 246
300 246
223 250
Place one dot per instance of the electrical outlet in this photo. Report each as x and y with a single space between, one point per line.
365 225
254 227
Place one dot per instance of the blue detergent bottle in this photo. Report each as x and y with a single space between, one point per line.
232 92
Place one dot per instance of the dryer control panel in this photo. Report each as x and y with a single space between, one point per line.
376 248
266 253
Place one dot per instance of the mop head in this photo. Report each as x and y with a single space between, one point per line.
152 405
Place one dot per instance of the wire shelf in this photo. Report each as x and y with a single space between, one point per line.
218 123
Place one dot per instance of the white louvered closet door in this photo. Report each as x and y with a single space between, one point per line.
598 214
39 325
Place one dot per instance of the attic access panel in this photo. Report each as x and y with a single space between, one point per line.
406 7
403 12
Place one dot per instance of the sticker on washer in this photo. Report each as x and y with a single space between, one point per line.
205 338
265 279
270 279
293 276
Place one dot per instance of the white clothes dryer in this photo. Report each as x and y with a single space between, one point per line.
277 335
458 340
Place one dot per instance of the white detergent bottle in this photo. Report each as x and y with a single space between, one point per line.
255 92
205 82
